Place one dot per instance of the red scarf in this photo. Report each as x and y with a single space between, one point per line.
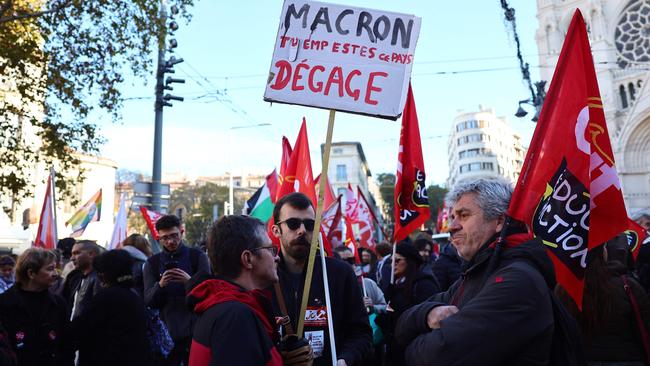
212 292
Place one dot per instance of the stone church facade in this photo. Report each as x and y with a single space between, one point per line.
619 31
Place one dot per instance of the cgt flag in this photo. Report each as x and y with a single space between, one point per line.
636 236
411 201
568 191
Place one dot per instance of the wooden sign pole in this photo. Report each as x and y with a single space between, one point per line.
319 214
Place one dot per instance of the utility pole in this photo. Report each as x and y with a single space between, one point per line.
164 66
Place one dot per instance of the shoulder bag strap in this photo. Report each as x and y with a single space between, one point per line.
286 321
639 320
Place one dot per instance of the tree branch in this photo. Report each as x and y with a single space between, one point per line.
15 16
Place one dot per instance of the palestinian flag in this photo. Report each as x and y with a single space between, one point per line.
261 204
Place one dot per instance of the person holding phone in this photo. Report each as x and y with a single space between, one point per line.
165 275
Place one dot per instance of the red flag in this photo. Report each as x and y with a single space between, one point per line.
329 197
411 201
568 190
298 176
636 235
284 163
332 224
365 221
150 217
350 242
272 184
46 236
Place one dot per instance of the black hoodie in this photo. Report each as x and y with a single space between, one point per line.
504 318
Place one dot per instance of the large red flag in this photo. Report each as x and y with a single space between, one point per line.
298 176
284 163
46 236
568 190
411 201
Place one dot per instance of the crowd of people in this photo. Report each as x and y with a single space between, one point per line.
487 297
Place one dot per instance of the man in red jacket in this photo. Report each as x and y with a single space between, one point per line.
236 324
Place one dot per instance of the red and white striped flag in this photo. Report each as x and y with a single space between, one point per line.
46 236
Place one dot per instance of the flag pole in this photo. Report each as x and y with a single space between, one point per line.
392 264
319 214
328 302
53 188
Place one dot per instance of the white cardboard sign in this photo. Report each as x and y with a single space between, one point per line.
345 58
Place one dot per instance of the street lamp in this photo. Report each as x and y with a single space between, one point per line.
231 203
536 101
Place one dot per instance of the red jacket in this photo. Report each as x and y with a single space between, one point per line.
235 326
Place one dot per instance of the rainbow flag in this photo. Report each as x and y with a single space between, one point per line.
89 212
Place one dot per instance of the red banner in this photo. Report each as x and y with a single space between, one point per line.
411 201
568 191
150 217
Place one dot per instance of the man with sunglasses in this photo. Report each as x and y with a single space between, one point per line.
165 275
294 215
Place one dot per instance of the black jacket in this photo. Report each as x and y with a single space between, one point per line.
446 268
86 286
351 329
504 319
113 329
423 287
36 324
232 325
170 300
616 336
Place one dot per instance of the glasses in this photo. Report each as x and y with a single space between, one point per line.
272 248
397 260
169 237
294 223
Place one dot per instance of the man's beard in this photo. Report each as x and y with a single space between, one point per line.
299 248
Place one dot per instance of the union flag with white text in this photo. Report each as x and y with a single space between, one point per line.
411 201
569 192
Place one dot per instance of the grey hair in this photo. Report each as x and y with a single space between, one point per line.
492 195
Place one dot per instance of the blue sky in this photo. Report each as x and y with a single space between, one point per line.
228 46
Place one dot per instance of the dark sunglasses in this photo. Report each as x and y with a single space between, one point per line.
294 223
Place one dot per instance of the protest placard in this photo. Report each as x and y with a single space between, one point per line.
344 58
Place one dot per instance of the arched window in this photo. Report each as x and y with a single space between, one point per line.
621 91
630 88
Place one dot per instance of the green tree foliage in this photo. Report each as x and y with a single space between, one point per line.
199 202
60 60
436 196
386 183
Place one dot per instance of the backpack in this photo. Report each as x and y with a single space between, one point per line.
566 348
160 341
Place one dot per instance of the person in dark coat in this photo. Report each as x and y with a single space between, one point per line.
494 316
35 319
236 324
293 215
165 276
139 249
81 284
412 286
446 269
607 320
112 329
